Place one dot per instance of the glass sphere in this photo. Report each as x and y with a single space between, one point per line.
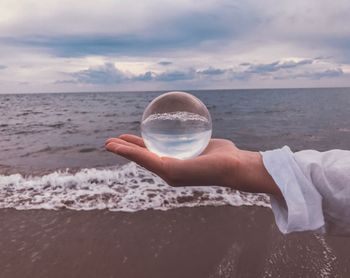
176 124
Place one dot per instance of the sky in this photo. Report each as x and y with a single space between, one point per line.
119 45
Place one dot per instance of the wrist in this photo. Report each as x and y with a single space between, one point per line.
252 176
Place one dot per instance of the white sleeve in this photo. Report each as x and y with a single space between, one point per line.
316 190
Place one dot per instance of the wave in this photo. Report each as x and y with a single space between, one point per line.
52 150
120 188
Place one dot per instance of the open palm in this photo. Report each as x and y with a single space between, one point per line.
217 165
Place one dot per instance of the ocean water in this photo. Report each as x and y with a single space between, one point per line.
52 145
179 134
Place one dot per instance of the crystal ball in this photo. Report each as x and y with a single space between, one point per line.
176 124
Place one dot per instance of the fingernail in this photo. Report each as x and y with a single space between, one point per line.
107 141
110 146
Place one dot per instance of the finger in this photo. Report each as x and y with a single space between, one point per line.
139 155
110 140
127 138
122 142
133 139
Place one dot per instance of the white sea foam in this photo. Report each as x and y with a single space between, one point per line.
124 188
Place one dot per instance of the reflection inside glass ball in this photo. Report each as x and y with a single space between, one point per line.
176 124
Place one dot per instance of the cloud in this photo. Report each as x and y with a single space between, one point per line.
130 45
84 45
247 70
147 76
3 67
176 75
323 58
170 27
315 75
239 75
330 73
180 31
212 71
109 74
106 74
276 66
165 63
157 43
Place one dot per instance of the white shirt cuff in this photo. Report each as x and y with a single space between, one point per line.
301 208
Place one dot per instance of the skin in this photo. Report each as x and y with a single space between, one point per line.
221 163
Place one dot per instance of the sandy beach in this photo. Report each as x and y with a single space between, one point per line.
185 242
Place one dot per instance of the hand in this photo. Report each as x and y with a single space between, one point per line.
215 166
221 163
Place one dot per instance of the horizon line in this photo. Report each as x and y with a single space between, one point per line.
171 90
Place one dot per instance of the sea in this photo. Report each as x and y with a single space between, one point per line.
52 153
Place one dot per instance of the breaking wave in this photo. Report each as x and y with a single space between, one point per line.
120 188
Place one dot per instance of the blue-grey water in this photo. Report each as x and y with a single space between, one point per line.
50 131
43 134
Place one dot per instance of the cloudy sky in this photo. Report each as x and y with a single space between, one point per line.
111 45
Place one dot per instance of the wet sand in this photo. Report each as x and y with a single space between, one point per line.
185 242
